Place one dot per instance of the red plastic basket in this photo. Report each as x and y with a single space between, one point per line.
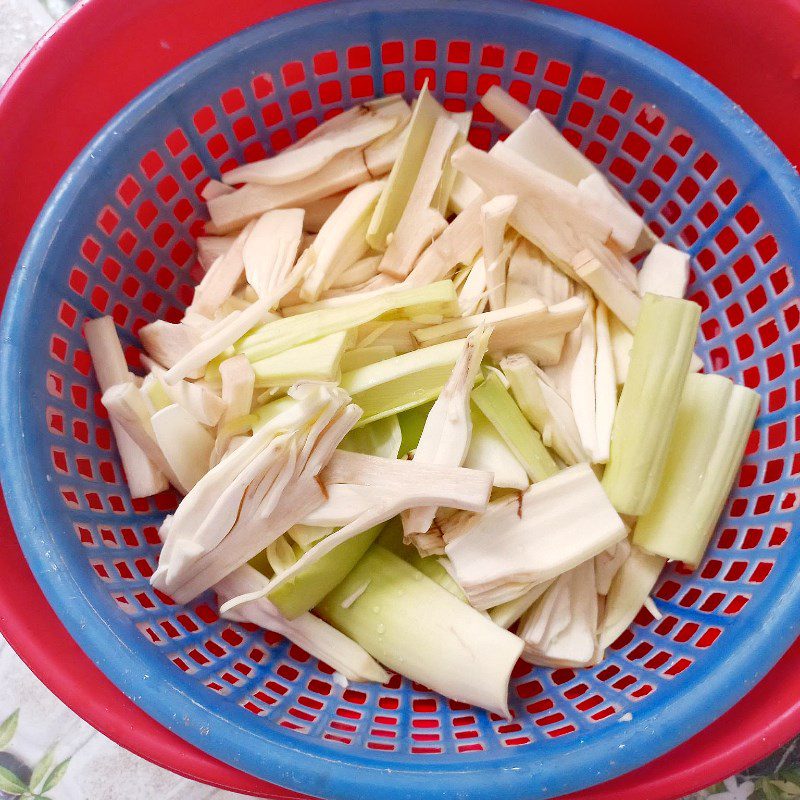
104 28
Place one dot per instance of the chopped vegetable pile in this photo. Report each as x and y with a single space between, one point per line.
423 396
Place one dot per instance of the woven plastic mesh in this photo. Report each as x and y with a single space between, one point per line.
118 238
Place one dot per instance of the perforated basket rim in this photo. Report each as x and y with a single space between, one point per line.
293 761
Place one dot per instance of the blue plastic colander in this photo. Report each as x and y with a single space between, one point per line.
117 237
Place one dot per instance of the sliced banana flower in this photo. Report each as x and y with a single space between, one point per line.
548 212
341 241
495 214
531 274
271 257
185 443
199 401
664 271
600 269
605 386
419 223
315 152
544 407
540 142
214 189
448 428
561 629
473 295
630 589
168 342
399 485
506 614
552 527
404 170
608 563
238 382
358 273
210 248
142 473
307 631
255 494
516 329
222 278
600 199
127 408
488 451
509 111
232 211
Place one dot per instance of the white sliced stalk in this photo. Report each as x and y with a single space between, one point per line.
505 108
473 295
531 274
210 248
214 189
304 536
314 635
630 588
506 614
380 155
664 271
487 451
601 200
555 525
255 494
441 199
338 298
597 270
153 393
397 485
313 154
396 334
373 285
621 344
561 629
142 475
424 632
127 407
238 381
318 211
494 218
605 387
459 243
205 406
344 503
168 342
544 407
222 278
516 329
357 273
420 224
271 268
233 211
185 443
341 241
608 564
404 172
448 429
539 141
465 489
280 555
503 171
364 356
270 251
277 336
